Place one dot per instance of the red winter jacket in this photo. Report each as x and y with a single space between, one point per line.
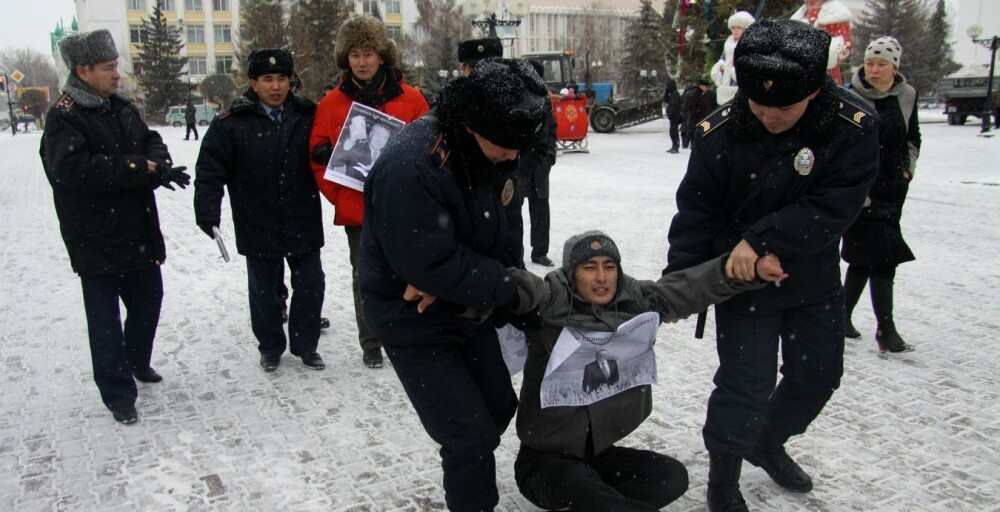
330 116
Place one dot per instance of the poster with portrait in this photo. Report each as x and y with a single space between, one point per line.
365 134
513 347
587 366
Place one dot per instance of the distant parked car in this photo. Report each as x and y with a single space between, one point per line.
203 114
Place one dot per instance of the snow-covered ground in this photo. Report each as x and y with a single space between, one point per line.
908 434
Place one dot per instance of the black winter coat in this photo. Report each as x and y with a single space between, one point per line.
272 192
95 156
673 100
741 183
536 161
876 238
433 219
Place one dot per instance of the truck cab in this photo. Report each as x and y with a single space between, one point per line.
963 94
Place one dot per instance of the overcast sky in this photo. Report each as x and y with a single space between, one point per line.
27 23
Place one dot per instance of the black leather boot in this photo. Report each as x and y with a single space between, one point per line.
770 455
854 284
724 483
888 339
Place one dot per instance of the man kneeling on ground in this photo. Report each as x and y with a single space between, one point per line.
568 456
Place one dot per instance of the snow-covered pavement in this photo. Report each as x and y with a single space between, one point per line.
909 434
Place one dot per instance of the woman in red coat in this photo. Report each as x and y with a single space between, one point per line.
370 76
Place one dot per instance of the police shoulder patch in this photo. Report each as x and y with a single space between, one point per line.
65 103
851 112
714 120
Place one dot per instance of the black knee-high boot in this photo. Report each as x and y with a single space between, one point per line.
854 284
724 483
886 336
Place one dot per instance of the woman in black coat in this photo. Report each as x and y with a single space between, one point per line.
874 245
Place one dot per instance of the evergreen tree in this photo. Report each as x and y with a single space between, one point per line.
645 49
262 25
670 40
312 29
939 50
443 26
695 62
907 21
219 89
162 65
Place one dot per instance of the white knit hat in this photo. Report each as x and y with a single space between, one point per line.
741 19
885 48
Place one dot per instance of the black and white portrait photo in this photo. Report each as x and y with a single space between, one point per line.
365 135
586 367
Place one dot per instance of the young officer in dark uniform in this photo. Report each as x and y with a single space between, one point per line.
260 150
535 164
435 227
103 163
784 169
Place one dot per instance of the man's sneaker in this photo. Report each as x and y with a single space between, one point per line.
373 357
324 322
542 260
781 468
146 374
269 363
313 361
126 415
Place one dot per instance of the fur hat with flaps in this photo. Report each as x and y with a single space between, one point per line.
780 62
88 48
365 32
502 100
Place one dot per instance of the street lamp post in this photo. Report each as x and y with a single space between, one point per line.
419 64
991 43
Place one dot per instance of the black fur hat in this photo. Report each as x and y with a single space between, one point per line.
473 50
503 100
88 48
266 61
780 62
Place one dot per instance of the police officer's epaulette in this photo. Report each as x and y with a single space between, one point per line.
851 112
715 120
225 114
65 103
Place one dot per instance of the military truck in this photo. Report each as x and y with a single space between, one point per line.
963 94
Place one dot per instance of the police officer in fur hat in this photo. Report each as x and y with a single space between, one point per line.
471 51
259 149
103 163
434 246
784 169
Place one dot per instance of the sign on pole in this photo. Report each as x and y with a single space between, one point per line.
17 76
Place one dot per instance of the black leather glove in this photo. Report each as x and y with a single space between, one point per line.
172 175
321 153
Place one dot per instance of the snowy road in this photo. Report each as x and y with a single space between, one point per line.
912 434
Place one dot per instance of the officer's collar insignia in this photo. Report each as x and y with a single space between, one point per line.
858 116
705 126
804 161
507 194
272 61
768 84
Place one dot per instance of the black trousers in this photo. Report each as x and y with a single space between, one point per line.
366 339
745 403
265 277
114 351
536 190
464 398
674 131
191 127
615 480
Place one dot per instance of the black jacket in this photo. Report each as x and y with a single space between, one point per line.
876 238
272 192
673 100
95 156
434 220
536 161
741 183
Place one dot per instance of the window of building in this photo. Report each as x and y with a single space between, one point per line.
197 66
168 5
370 7
195 34
137 5
136 67
223 34
192 5
224 64
135 34
392 6
395 32
220 5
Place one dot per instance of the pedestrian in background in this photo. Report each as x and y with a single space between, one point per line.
190 119
672 101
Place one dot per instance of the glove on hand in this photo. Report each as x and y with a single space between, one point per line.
171 175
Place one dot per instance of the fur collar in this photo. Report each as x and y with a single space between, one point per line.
249 102
85 96
816 124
